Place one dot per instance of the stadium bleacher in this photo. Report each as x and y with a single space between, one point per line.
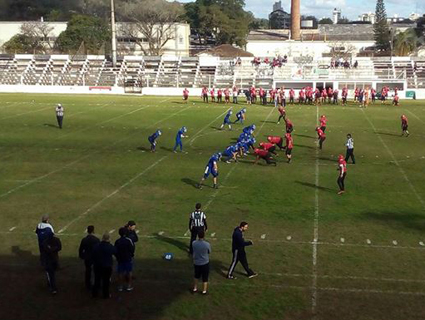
191 72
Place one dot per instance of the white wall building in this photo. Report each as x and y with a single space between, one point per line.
368 17
336 15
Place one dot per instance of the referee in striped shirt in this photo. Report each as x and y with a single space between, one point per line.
197 222
59 115
350 149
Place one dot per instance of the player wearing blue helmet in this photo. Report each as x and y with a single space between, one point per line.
231 152
240 116
227 120
180 135
250 129
152 139
211 167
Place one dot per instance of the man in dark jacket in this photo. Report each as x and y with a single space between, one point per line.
103 262
125 254
44 230
131 231
85 252
238 249
50 259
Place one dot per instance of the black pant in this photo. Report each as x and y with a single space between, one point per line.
51 268
269 159
350 153
321 140
239 256
193 234
60 121
102 277
205 98
340 181
89 265
281 117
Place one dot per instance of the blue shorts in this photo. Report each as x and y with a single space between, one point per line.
209 170
226 121
125 267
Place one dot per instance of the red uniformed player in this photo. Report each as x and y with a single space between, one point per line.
342 168
276 140
395 100
404 126
323 122
219 96
265 155
185 95
289 146
291 96
289 126
282 114
270 147
227 95
321 136
212 93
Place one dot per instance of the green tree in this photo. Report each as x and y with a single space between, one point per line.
405 42
380 28
21 43
92 31
326 21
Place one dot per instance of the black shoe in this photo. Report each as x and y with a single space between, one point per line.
252 275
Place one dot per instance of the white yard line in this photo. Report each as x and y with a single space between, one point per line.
403 173
209 124
315 229
21 114
116 191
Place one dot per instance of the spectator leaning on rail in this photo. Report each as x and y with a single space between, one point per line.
85 253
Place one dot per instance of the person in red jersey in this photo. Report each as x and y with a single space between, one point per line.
289 146
404 126
227 95
185 95
330 94
323 122
219 96
342 168
270 147
373 95
282 114
212 94
289 126
321 136
301 96
265 155
324 95
205 94
317 96
276 140
395 90
291 96
395 100
344 96
309 95
253 95
272 93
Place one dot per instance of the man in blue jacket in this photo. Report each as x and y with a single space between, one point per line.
125 253
44 231
103 261
238 249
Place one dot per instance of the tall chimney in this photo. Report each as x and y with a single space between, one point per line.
296 19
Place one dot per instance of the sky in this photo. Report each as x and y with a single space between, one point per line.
323 8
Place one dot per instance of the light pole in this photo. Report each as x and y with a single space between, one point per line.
114 35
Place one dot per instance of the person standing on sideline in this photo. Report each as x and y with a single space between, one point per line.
197 223
59 115
131 231
238 250
103 262
51 247
342 168
125 254
404 126
85 253
201 262
350 149
44 230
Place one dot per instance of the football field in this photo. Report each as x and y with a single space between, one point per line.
319 255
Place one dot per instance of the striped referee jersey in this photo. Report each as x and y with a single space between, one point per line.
197 219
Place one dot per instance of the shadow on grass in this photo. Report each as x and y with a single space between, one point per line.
312 185
328 159
179 244
303 146
216 128
144 149
396 219
51 125
190 182
304 136
168 149
388 134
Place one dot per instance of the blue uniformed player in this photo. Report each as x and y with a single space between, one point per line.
227 120
180 135
240 116
212 167
152 139
250 129
231 152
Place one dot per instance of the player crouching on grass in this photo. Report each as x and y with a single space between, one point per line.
270 147
276 140
227 120
212 167
152 139
342 168
265 155
404 126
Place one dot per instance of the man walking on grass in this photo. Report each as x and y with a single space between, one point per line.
238 250
201 262
51 247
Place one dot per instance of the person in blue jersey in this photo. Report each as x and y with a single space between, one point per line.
211 167
250 143
180 135
152 139
250 129
227 120
240 116
231 153
244 136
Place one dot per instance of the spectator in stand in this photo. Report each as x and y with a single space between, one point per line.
201 262
85 252
51 247
44 230
125 253
103 261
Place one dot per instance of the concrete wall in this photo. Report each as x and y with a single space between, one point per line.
61 89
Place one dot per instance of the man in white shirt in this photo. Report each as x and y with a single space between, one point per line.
350 149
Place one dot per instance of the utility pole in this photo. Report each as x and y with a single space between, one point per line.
114 35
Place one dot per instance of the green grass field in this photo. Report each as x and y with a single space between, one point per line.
368 260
